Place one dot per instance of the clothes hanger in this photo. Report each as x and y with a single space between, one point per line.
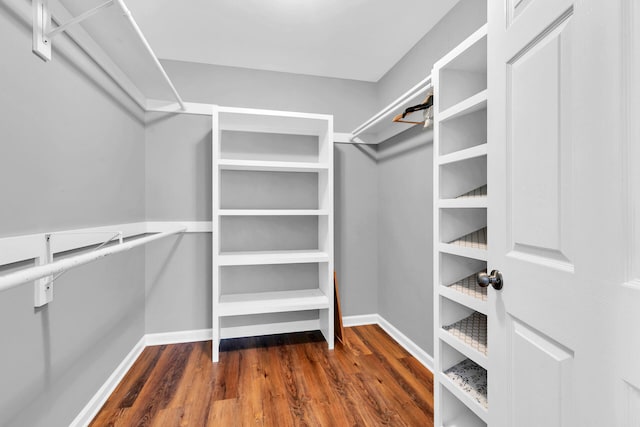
424 105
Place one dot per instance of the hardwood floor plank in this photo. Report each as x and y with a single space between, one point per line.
276 381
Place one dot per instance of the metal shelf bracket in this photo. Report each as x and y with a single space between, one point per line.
43 33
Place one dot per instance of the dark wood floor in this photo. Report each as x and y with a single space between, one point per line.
280 380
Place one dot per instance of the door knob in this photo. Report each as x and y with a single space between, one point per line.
494 279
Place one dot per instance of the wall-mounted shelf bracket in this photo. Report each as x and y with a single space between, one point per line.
43 288
43 33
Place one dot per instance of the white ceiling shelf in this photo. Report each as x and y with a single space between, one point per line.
272 302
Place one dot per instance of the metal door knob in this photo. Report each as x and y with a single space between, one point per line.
494 279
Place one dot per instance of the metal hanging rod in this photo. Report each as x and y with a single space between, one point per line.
12 280
43 34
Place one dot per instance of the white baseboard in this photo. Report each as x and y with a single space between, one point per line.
413 348
406 343
363 319
98 400
178 337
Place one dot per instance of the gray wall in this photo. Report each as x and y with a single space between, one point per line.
405 177
71 155
350 101
461 21
178 188
405 234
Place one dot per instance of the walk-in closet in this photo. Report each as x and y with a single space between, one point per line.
319 213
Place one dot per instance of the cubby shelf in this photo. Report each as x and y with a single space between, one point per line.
468 293
469 337
271 257
469 202
468 382
467 153
465 419
469 105
475 240
273 212
271 166
272 302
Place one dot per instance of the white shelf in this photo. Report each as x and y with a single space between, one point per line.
468 153
271 166
469 337
469 105
468 252
465 419
273 212
468 293
269 328
271 257
474 393
272 302
476 202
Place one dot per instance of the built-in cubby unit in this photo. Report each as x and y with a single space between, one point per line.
461 353
272 224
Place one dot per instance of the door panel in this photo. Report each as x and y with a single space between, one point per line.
541 378
537 94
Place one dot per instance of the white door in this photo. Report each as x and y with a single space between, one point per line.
559 216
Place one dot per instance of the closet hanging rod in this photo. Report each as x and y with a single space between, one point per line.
127 13
393 107
12 280
43 35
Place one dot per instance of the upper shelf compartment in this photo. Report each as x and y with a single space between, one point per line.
463 74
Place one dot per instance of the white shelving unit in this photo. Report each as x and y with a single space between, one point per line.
272 224
461 355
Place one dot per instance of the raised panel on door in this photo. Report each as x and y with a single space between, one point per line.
541 378
539 147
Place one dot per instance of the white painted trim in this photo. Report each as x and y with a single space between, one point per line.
190 107
29 246
341 137
178 337
406 343
360 320
192 226
94 405
413 348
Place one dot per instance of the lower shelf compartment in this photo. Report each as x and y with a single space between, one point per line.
471 379
271 302
476 240
472 331
469 286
